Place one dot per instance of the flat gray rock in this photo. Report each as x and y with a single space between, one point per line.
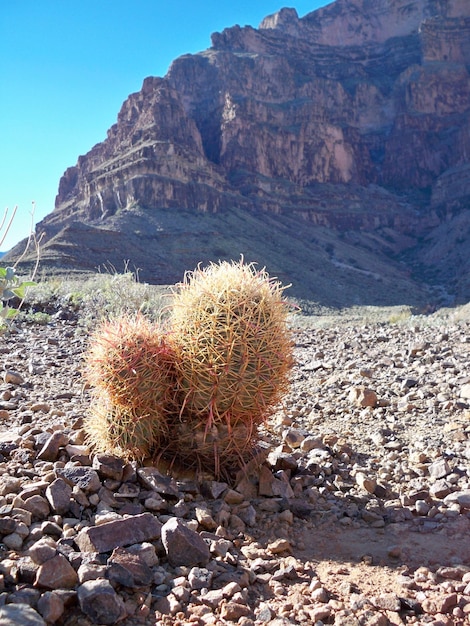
182 545
20 615
122 532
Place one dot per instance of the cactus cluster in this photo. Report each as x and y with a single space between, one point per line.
199 389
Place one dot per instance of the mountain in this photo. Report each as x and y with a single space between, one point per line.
333 148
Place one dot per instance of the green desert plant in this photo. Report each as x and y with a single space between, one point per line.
11 286
228 328
130 364
39 318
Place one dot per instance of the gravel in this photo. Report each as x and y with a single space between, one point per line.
354 511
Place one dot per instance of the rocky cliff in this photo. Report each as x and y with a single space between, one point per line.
334 148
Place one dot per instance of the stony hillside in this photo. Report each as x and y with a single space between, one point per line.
332 148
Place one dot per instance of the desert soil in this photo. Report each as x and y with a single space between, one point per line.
359 516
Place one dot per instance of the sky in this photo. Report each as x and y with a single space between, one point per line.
67 67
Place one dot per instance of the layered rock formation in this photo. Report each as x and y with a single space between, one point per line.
342 138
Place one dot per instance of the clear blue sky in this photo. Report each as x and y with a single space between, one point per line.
66 67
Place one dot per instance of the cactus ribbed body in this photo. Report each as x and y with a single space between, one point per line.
131 367
233 356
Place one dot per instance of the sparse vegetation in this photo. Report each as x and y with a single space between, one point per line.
40 318
99 297
400 316
11 285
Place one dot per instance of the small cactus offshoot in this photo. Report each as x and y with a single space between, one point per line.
131 360
122 430
131 366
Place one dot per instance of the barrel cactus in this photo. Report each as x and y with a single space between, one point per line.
123 430
130 365
233 354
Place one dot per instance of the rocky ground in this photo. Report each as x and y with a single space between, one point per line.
356 514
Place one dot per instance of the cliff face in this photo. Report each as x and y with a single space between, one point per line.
354 118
